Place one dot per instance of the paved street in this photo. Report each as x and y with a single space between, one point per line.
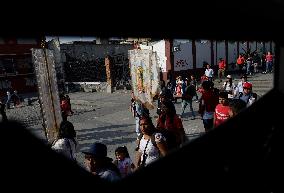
103 117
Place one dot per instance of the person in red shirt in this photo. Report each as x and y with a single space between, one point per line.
222 67
222 110
240 63
269 60
65 107
169 122
208 102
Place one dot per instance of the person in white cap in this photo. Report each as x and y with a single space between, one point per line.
229 86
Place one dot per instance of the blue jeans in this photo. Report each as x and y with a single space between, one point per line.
208 124
184 104
137 127
268 66
248 67
196 97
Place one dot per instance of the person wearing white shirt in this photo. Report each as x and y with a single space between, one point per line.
209 72
229 86
239 88
66 142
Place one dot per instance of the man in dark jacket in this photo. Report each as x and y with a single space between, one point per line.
188 94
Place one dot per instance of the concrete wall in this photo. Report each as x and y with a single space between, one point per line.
91 51
84 62
232 52
221 53
203 53
160 49
267 46
252 46
183 56
242 47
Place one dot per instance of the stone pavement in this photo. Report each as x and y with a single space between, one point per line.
106 118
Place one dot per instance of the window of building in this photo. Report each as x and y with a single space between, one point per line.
9 65
26 41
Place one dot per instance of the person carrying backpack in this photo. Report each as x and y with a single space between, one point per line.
194 82
189 93
247 95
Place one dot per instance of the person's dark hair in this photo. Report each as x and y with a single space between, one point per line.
66 130
104 161
149 121
206 85
144 111
237 105
230 81
61 96
211 84
163 84
169 107
223 95
205 63
122 149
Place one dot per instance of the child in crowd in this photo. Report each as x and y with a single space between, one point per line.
123 161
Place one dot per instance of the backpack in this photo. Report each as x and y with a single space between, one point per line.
252 95
240 61
189 92
171 131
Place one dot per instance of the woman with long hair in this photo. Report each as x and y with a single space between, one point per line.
151 143
66 140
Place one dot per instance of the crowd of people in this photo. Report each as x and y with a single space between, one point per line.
156 138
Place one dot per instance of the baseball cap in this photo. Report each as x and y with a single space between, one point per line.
97 150
247 85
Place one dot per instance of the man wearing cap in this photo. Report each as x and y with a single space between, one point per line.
99 164
247 95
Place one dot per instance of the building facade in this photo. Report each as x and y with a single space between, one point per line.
16 68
